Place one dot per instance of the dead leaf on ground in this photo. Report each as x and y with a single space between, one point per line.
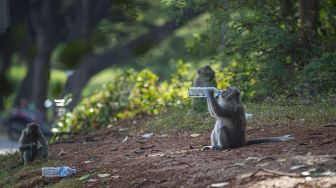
194 135
103 175
125 139
222 184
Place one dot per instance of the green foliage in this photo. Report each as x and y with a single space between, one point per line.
129 95
322 68
73 52
265 40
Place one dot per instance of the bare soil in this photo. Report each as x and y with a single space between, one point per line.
128 160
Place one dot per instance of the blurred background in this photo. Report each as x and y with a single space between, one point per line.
83 64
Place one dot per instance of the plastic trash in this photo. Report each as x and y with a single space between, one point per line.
202 91
248 116
62 171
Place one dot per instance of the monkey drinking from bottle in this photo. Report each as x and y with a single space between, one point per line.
229 130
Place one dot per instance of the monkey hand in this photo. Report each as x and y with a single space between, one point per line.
210 92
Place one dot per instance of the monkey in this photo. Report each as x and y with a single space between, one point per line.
206 78
229 129
32 144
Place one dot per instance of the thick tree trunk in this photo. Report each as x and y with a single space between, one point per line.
34 87
309 12
5 87
41 73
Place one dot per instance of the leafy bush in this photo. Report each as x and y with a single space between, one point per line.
131 94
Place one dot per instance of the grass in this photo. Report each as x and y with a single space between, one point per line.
13 174
317 112
180 120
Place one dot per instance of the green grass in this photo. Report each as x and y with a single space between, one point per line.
306 115
12 174
318 112
180 119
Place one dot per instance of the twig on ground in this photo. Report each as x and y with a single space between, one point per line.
274 172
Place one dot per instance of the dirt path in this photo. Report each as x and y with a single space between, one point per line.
177 161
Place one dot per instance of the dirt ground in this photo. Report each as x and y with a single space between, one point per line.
126 159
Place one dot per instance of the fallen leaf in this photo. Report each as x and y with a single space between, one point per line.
85 177
91 180
240 164
297 167
125 139
252 158
222 184
115 177
103 175
194 135
163 136
282 159
148 135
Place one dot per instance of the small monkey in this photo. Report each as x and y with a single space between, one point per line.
206 78
32 144
229 130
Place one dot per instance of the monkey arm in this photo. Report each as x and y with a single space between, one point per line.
227 110
42 139
210 109
25 147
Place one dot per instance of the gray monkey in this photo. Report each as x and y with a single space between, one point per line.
206 78
32 144
229 130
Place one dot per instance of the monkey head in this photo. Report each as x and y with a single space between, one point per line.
206 72
231 94
32 128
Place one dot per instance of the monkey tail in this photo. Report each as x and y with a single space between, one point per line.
284 138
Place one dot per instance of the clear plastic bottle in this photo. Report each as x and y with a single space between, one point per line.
199 92
62 171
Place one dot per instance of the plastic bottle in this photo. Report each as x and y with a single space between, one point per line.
199 92
62 171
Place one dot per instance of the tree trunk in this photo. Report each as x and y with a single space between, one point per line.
309 12
5 87
41 73
34 87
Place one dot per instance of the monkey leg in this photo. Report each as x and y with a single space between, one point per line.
21 156
27 156
214 142
42 152
222 139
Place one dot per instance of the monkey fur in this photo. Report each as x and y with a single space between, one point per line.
32 144
206 78
229 130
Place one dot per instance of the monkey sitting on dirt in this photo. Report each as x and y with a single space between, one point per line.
229 130
32 144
